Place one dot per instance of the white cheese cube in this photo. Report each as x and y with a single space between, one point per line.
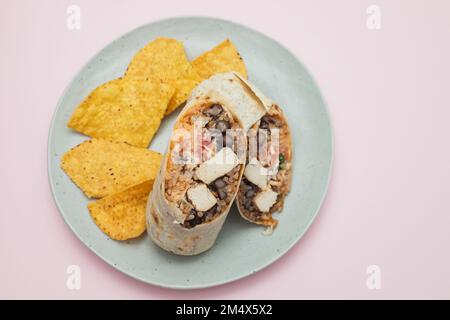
222 163
201 198
265 200
256 174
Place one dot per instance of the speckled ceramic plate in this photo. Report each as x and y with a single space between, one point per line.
241 249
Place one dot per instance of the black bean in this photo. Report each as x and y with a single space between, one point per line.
266 121
248 205
222 125
222 194
190 217
219 183
250 193
248 185
245 185
264 124
193 222
211 211
214 110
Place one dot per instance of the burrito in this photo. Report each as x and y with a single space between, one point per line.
198 179
268 171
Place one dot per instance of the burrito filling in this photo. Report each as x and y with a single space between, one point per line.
204 190
262 193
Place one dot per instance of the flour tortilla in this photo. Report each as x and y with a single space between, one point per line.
246 101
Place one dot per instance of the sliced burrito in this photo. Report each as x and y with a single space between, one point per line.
198 179
267 175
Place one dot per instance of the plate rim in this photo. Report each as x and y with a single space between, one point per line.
270 261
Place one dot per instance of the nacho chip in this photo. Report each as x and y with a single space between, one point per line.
123 110
102 167
222 58
164 59
122 215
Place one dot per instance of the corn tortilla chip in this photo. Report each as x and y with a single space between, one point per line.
123 110
164 59
222 58
122 215
102 167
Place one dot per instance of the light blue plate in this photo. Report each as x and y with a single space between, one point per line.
241 249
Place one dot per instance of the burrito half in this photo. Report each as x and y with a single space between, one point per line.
267 176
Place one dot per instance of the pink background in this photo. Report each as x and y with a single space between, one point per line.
388 96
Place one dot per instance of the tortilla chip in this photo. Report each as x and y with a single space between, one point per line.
102 167
123 110
164 59
223 58
122 215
